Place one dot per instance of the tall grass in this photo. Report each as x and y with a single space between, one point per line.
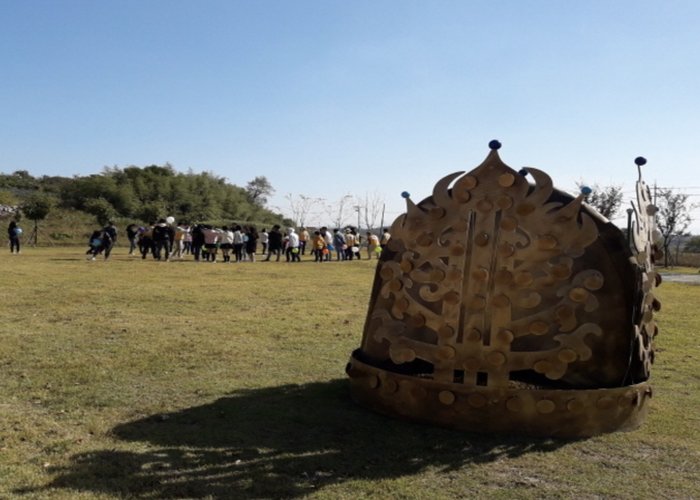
136 378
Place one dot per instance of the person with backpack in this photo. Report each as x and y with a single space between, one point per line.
13 233
101 241
94 244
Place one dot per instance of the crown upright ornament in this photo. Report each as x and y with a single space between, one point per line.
505 306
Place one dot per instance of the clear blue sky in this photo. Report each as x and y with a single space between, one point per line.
326 98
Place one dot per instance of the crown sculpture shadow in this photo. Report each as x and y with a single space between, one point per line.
502 305
276 442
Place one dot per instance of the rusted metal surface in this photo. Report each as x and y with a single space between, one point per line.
505 305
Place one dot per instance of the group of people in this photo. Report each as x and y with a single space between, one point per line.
346 244
166 240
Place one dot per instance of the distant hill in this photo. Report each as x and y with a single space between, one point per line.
132 194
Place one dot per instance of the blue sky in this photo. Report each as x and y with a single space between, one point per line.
327 98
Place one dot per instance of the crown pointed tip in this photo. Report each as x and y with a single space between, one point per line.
495 145
405 194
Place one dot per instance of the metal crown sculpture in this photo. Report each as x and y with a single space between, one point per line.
504 306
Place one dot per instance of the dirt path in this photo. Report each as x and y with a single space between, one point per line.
693 279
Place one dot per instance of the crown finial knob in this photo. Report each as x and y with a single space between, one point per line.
405 194
640 160
495 145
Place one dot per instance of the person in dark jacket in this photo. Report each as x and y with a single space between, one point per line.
251 244
132 233
162 240
145 240
274 244
197 240
101 242
13 233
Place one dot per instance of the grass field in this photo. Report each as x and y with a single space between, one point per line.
134 378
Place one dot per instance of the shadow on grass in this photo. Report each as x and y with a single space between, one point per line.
276 442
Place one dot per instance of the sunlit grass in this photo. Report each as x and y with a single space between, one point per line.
679 270
154 379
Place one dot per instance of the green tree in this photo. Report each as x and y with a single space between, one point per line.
124 201
36 208
672 219
693 245
19 181
102 209
606 200
258 190
155 191
7 198
152 211
77 193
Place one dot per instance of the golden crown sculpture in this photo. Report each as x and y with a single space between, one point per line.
504 306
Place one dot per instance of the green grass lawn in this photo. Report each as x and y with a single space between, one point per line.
134 378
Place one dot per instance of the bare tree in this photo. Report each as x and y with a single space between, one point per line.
371 206
673 218
607 200
339 211
301 207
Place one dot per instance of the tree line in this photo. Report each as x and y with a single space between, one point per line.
142 194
